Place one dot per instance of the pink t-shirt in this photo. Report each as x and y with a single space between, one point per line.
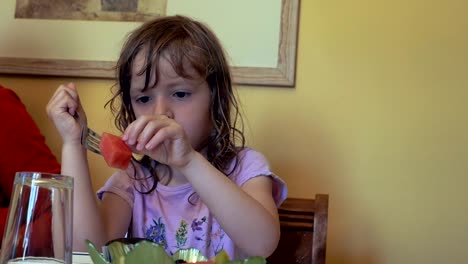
176 218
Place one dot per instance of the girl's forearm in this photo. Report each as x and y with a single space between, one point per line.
245 220
87 222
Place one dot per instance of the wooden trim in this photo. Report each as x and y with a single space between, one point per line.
283 75
304 220
319 243
69 68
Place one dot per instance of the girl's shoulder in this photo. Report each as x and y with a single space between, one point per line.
248 164
251 164
124 183
248 154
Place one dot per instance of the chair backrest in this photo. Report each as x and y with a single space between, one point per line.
303 231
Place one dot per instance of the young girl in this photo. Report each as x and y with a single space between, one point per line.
194 187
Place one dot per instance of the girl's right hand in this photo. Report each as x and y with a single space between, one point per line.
63 109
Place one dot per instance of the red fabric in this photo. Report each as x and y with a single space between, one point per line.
3 215
22 145
39 240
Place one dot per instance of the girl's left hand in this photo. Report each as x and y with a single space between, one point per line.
160 138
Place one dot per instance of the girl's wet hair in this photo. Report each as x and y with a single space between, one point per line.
180 40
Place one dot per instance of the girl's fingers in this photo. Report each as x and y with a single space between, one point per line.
71 86
65 96
142 129
151 129
72 98
66 101
168 132
131 133
62 109
145 134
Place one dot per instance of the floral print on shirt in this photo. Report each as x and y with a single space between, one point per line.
198 230
214 240
181 234
197 226
157 233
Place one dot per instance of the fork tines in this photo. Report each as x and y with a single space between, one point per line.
91 140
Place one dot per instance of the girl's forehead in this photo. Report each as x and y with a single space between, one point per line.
164 66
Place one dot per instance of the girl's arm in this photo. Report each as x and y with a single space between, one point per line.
63 109
97 223
87 222
248 214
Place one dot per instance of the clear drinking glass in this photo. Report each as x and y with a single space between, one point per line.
39 225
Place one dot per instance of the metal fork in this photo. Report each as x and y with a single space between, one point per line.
89 139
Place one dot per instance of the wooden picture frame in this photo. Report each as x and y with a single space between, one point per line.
281 75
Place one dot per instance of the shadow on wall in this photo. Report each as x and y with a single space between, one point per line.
309 159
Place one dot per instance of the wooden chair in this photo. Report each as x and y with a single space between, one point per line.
303 231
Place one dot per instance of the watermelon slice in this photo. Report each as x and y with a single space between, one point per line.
115 152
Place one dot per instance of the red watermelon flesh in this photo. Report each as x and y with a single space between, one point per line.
115 152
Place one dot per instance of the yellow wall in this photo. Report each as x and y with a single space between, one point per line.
378 120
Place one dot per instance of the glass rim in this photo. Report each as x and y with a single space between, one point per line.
43 175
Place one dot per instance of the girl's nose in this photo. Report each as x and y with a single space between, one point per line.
162 107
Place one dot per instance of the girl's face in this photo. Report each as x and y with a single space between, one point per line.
187 101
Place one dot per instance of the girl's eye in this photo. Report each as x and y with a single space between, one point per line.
181 94
143 99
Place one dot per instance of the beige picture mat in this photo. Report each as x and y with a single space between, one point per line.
89 48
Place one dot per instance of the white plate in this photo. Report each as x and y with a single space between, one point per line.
81 258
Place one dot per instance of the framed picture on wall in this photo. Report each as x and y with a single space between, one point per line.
82 38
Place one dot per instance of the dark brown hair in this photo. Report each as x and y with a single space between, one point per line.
182 39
